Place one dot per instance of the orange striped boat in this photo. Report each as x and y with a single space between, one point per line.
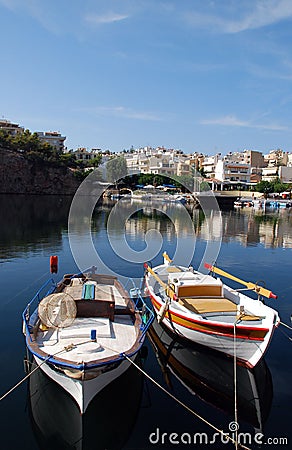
200 308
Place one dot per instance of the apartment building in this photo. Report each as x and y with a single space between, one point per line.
232 172
160 161
209 164
54 138
83 154
254 158
11 128
276 158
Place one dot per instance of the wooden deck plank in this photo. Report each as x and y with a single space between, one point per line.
208 305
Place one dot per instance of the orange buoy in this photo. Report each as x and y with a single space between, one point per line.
54 264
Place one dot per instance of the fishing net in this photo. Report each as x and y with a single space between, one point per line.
57 310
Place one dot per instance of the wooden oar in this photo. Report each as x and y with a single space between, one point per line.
258 289
168 289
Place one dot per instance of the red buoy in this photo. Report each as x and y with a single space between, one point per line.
54 264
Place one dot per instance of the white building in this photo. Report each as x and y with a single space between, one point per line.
159 161
209 165
285 174
83 154
11 128
232 172
270 173
276 158
289 163
54 138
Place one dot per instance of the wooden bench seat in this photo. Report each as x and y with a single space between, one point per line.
208 305
214 305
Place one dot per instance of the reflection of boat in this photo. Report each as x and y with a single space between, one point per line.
279 203
259 203
202 309
84 332
156 196
210 375
243 202
175 198
107 423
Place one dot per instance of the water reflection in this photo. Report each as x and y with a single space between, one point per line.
269 228
36 223
210 376
31 222
107 424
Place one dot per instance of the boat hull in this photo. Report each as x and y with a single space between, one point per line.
83 390
249 352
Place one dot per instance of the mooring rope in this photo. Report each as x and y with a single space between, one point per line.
285 325
23 379
185 406
65 349
283 332
235 385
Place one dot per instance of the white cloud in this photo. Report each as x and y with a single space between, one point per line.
260 13
233 121
105 18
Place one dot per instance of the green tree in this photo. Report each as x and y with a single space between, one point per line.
278 186
265 187
95 162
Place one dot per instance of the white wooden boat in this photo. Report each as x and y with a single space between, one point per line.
202 309
84 331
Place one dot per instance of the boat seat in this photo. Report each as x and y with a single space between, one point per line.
214 305
208 305
173 269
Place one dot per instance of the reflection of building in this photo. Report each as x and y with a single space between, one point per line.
211 228
246 226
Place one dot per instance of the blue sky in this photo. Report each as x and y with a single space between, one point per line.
197 75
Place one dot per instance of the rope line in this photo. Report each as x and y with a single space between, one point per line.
65 349
285 334
235 385
285 325
23 379
184 405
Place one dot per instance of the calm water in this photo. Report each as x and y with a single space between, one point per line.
254 245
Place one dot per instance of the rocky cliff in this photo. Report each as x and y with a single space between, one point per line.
19 175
